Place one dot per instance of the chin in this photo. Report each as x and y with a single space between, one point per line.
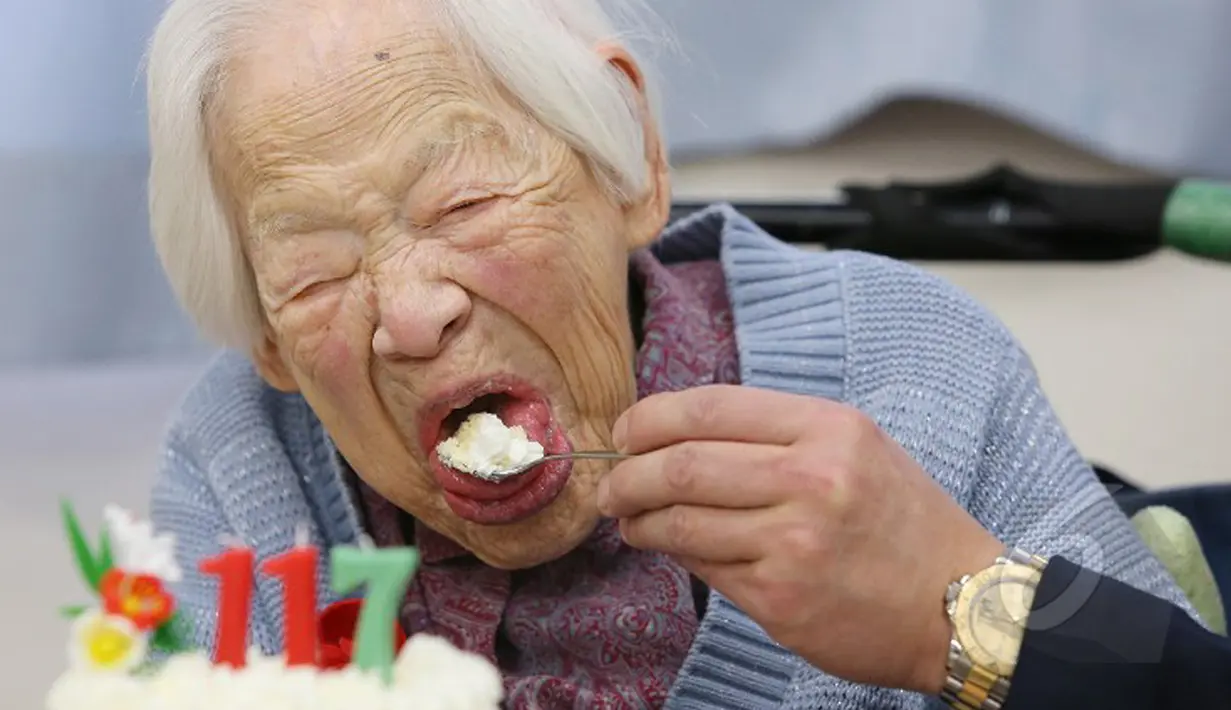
555 532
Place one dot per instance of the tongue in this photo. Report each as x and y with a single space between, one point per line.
531 415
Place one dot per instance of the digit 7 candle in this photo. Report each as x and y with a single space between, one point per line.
386 574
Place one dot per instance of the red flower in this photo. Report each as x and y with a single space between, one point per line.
140 598
335 630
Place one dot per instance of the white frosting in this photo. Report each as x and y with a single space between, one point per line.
483 446
430 674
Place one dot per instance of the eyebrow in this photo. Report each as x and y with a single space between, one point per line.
283 210
276 224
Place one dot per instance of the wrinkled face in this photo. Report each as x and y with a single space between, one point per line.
422 248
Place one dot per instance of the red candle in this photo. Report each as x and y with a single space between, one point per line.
297 570
234 571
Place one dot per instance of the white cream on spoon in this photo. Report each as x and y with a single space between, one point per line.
484 447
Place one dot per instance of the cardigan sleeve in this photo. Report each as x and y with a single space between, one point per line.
949 381
1034 490
184 504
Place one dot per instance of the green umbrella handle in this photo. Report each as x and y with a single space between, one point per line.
1197 219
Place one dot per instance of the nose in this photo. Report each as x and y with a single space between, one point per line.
417 320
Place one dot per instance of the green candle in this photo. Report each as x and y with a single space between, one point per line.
386 574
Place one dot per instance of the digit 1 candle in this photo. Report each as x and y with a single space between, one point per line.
297 570
386 574
234 571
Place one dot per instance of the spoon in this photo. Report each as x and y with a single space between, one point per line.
522 468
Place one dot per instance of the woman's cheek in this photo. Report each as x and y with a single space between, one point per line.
535 274
340 373
329 349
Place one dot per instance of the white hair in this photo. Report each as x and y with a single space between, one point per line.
540 51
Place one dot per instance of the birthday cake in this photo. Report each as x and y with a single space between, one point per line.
127 650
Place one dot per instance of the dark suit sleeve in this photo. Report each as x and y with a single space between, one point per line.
1094 642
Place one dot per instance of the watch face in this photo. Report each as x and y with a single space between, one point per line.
992 609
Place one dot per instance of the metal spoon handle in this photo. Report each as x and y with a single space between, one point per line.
607 455
517 470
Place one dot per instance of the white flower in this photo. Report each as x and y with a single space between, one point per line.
105 643
137 549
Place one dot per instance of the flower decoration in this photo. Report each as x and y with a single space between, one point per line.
140 598
336 625
137 613
138 550
106 642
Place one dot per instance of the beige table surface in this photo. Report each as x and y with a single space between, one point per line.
1135 357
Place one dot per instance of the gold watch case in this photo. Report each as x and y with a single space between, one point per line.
989 610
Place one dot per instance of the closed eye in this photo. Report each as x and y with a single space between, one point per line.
317 288
467 205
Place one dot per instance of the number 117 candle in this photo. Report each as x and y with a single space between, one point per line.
383 573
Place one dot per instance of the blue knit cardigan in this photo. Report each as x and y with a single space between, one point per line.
934 369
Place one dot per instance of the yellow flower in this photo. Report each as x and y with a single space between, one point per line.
106 643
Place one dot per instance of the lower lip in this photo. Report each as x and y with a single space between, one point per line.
524 496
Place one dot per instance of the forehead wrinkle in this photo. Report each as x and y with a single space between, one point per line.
298 66
295 85
373 110
303 145
288 180
363 103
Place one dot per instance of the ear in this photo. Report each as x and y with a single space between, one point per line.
272 368
648 213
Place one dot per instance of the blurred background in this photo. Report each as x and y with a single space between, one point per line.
772 99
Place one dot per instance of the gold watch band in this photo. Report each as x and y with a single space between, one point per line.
969 686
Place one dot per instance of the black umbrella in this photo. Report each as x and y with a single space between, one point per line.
1004 215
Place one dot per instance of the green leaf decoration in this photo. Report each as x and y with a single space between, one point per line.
72 612
90 568
167 638
104 561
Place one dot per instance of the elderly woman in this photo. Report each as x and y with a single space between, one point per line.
398 212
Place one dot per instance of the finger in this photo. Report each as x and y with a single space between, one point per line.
717 412
719 474
714 535
719 576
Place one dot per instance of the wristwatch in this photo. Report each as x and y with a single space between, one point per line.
988 611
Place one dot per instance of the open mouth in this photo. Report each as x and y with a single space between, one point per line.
532 416
515 404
